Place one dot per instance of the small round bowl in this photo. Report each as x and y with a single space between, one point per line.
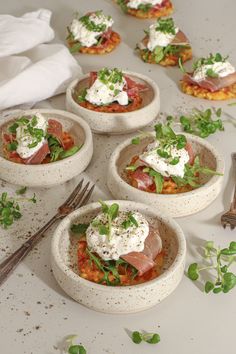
53 173
118 123
176 205
118 299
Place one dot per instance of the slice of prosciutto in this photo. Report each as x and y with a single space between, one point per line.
142 180
55 129
39 156
212 84
144 261
180 39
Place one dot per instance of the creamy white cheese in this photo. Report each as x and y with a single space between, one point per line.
24 138
122 241
100 93
86 37
134 4
222 69
158 38
162 165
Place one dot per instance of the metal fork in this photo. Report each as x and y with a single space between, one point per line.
76 199
229 218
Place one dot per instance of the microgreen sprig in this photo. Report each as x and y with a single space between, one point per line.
9 210
145 7
74 348
167 138
130 221
122 4
201 122
191 174
210 60
111 213
151 338
166 26
220 262
110 76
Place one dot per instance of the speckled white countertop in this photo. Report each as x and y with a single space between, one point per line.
35 313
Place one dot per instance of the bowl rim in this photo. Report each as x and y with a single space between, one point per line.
220 166
152 83
69 273
72 116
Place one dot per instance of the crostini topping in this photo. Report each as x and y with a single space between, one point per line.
214 66
89 28
161 33
107 88
113 233
30 134
143 4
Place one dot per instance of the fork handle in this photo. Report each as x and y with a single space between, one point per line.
9 264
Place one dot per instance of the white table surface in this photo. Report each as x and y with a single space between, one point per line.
36 314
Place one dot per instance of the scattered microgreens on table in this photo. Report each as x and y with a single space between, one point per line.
201 123
220 262
151 338
74 348
10 208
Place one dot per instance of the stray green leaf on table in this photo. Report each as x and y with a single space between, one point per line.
201 122
220 261
151 338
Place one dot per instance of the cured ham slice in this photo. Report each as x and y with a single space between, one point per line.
189 148
141 179
211 84
131 84
144 261
55 129
180 39
39 156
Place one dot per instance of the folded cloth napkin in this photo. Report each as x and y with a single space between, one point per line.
31 71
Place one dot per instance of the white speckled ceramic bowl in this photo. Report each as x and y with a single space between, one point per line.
50 174
176 205
118 299
117 123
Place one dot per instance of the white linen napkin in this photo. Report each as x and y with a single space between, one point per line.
31 71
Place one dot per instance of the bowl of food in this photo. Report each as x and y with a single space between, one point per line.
179 174
114 101
97 262
43 147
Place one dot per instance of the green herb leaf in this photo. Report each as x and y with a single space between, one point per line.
79 229
209 286
158 179
76 349
193 273
151 338
21 191
136 337
155 338
135 141
67 153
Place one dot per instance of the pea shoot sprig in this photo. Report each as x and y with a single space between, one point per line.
220 261
74 348
151 338
201 122
90 25
10 208
166 26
